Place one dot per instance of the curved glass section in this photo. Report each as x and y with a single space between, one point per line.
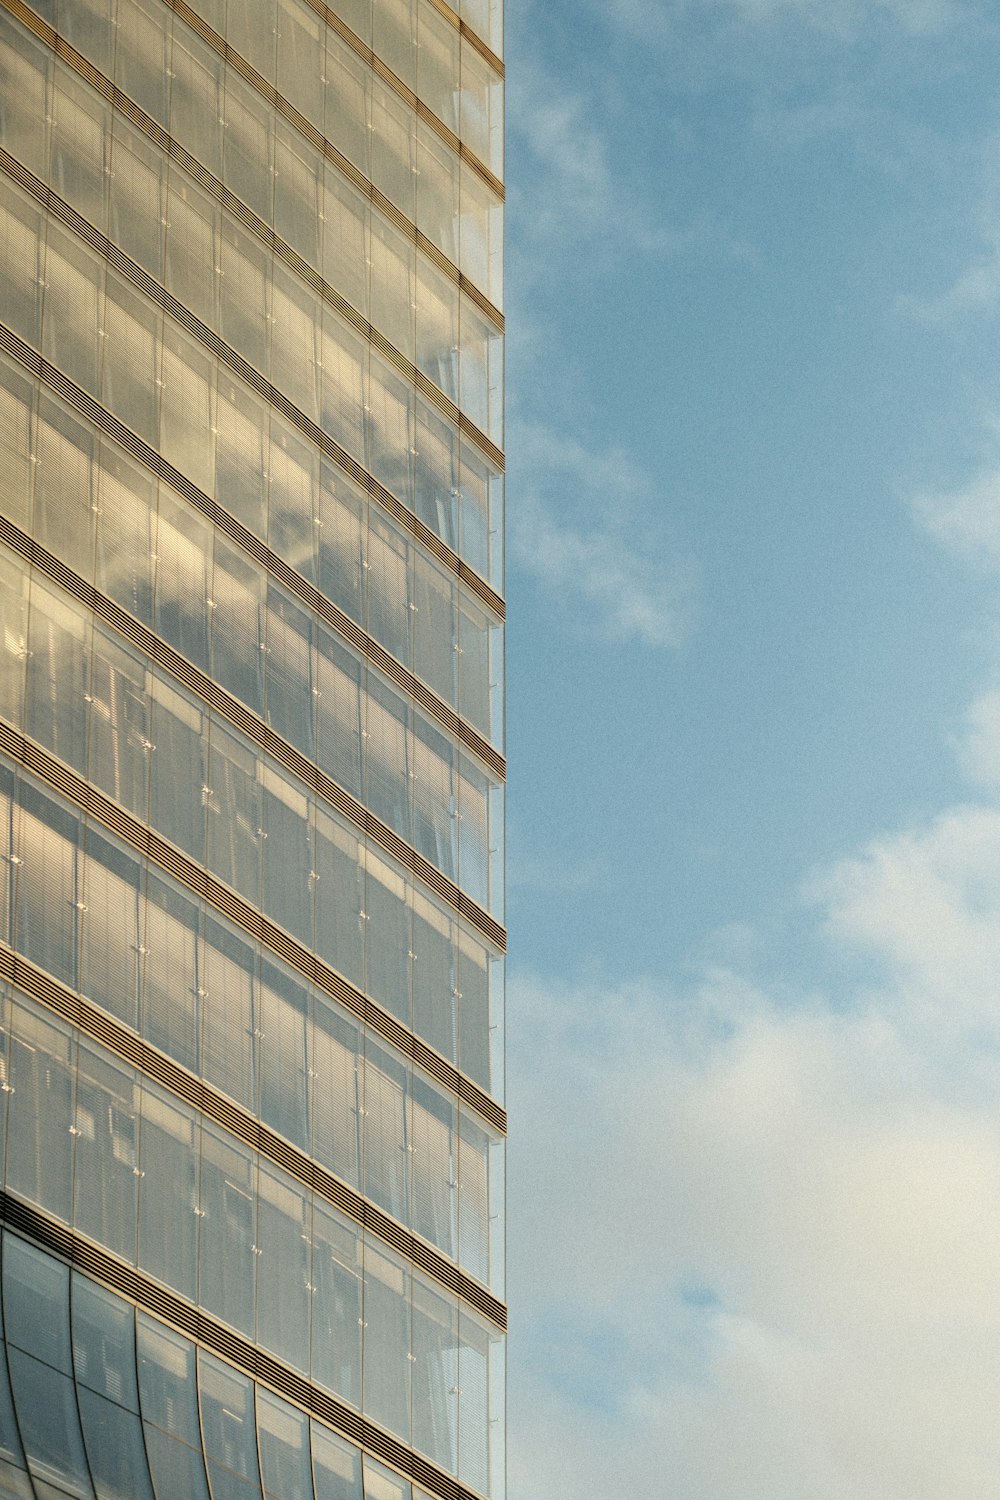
122 1161
101 1401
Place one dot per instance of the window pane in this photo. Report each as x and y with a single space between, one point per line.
106 1127
227 1417
167 1380
336 1305
104 1342
176 1468
226 1253
115 1449
168 1200
336 1466
39 1143
283 1434
283 1284
36 1303
50 1426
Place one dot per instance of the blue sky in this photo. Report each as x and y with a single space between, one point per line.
753 294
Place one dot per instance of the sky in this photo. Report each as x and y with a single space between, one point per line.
753 302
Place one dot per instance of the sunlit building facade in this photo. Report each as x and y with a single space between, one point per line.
251 750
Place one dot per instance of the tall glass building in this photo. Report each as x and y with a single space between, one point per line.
251 750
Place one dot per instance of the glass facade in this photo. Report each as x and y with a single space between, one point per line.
251 749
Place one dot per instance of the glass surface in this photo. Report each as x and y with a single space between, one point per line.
11 1452
283 1439
39 1142
227 1422
413 773
382 1484
386 1394
336 1466
429 1376
170 1144
93 1144
435 1377
49 1423
237 264
229 1486
227 1251
115 1449
213 593
106 1163
283 1265
175 1468
312 1081
337 1328
15 1482
167 1385
104 1343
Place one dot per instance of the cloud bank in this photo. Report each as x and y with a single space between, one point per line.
773 1220
756 1237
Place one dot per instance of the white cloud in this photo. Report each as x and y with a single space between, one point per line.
979 749
976 287
620 586
774 1219
966 520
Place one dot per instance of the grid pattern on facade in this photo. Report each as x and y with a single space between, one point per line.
251 749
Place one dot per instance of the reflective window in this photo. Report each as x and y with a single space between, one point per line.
228 1428
211 792
191 1419
307 1068
390 228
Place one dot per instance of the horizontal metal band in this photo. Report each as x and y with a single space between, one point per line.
154 1064
212 694
240 366
199 682
62 49
152 845
153 1298
397 85
292 258
471 36
108 423
285 107
307 592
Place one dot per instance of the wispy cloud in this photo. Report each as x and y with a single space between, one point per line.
575 189
615 591
975 287
608 581
966 520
